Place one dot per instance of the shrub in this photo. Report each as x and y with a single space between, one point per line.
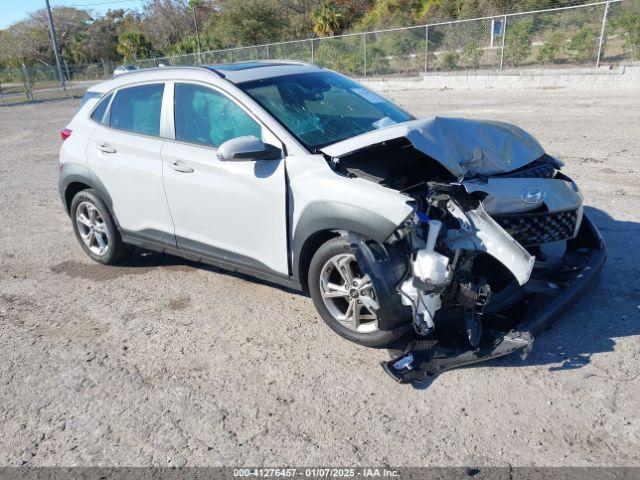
517 45
94 71
472 53
628 21
399 43
584 44
337 55
450 60
395 51
549 52
377 62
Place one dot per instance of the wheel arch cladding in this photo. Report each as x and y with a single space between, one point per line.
75 178
320 222
72 189
310 247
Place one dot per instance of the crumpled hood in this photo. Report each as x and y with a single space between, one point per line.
461 145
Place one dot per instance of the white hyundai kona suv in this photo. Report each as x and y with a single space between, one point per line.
302 177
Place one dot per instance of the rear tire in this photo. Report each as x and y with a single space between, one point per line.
338 287
95 229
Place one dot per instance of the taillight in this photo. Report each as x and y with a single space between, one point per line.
65 133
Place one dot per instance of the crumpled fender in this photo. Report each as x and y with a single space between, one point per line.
461 145
480 232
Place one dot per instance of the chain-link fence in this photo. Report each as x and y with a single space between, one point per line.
29 83
582 35
585 35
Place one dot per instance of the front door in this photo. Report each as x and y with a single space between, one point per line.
234 211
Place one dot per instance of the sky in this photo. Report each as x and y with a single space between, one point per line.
12 11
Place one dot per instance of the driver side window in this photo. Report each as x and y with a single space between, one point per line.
206 117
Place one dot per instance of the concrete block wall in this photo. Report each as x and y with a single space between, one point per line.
594 79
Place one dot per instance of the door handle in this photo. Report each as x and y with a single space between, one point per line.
106 148
180 166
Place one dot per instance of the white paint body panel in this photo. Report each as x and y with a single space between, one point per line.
237 207
133 177
312 181
73 149
461 145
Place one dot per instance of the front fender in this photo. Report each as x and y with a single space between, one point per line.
332 215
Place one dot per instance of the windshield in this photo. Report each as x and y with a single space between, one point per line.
323 108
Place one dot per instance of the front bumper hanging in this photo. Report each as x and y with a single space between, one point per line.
419 359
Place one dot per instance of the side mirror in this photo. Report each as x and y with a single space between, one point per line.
242 149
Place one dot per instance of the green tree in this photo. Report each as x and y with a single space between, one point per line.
190 45
327 20
133 46
165 22
245 22
102 35
29 39
78 48
389 13
352 10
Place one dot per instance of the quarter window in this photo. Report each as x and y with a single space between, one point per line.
137 109
209 118
98 113
88 96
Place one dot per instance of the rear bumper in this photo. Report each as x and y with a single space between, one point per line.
424 358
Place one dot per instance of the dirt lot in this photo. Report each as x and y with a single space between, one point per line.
168 363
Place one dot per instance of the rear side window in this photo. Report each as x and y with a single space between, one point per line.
98 113
207 117
137 109
88 96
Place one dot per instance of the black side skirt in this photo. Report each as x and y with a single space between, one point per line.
220 259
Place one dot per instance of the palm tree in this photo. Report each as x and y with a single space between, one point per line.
327 20
132 44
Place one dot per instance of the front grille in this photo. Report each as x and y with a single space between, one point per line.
536 169
536 228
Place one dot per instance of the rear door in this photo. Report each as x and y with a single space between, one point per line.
233 211
124 156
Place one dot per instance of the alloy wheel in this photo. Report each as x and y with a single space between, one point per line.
348 294
92 228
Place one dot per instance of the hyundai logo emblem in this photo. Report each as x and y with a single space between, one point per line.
532 195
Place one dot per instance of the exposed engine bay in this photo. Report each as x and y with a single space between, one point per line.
484 245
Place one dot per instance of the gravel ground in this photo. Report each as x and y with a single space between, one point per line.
163 362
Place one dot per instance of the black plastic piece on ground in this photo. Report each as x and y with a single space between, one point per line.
437 359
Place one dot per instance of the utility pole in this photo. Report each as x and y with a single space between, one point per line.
195 21
54 43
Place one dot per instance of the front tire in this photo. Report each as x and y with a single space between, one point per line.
95 229
344 297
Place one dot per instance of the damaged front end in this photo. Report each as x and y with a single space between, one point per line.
486 261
